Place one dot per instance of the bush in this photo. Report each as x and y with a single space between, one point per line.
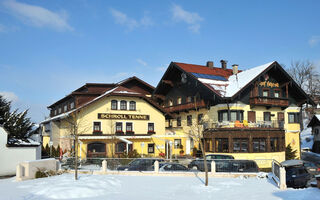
42 173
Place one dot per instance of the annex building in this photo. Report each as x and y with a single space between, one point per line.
250 114
111 120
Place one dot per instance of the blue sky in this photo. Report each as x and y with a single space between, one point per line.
49 48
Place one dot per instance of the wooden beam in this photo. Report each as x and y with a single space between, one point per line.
162 97
168 82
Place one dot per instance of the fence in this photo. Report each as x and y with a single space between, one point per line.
167 165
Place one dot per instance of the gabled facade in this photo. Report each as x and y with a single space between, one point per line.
120 118
250 114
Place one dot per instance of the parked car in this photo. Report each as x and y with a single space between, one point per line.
170 166
297 175
139 164
198 164
312 168
236 166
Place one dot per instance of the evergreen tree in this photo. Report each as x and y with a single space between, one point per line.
17 124
290 154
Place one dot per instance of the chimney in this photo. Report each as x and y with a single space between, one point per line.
223 64
210 64
235 68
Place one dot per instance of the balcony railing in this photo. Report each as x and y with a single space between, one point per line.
269 101
186 106
273 124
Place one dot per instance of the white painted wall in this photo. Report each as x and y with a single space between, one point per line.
10 157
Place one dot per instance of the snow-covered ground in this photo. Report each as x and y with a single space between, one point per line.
306 137
148 187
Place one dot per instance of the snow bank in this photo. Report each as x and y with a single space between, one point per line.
147 187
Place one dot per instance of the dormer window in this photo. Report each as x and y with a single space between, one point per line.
55 112
123 105
179 100
72 105
132 105
189 99
59 110
114 105
65 108
170 102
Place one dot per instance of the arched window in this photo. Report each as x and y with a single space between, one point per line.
123 105
114 105
132 105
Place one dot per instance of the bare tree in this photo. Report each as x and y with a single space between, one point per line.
197 133
76 126
306 76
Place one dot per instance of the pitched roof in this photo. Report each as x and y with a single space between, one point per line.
200 69
314 120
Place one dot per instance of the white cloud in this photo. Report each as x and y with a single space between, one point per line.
191 18
142 62
9 96
314 40
131 23
38 16
161 69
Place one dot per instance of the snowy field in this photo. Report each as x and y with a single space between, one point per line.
148 187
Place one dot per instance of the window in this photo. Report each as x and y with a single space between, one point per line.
120 147
179 100
65 108
274 144
123 105
189 120
59 110
72 105
129 127
240 145
222 145
294 117
119 127
267 116
265 93
114 105
316 132
55 112
235 115
178 121
151 127
259 144
276 93
200 117
96 126
189 99
150 148
177 143
132 105
170 102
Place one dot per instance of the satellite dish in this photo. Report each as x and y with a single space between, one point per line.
183 77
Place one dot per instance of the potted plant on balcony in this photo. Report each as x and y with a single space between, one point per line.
97 132
151 132
119 133
129 132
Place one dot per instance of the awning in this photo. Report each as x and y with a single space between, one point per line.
124 140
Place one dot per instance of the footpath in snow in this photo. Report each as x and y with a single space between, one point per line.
90 187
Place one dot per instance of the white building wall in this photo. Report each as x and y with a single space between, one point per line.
10 157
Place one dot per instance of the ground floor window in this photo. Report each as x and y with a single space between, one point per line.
96 149
259 144
222 145
240 145
120 147
150 148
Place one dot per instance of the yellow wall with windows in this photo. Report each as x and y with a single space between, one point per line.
45 140
292 135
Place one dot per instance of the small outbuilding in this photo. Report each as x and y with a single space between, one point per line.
14 151
315 125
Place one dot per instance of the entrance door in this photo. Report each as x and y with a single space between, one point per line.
188 146
252 116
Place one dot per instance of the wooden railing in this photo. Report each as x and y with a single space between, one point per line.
186 106
269 101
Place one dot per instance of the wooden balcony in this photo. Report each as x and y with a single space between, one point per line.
185 107
269 101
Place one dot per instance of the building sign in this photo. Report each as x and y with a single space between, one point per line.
268 84
122 116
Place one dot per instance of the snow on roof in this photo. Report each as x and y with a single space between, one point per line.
61 116
317 116
20 142
235 82
238 81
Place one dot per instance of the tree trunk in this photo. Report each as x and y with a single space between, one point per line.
76 158
205 163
